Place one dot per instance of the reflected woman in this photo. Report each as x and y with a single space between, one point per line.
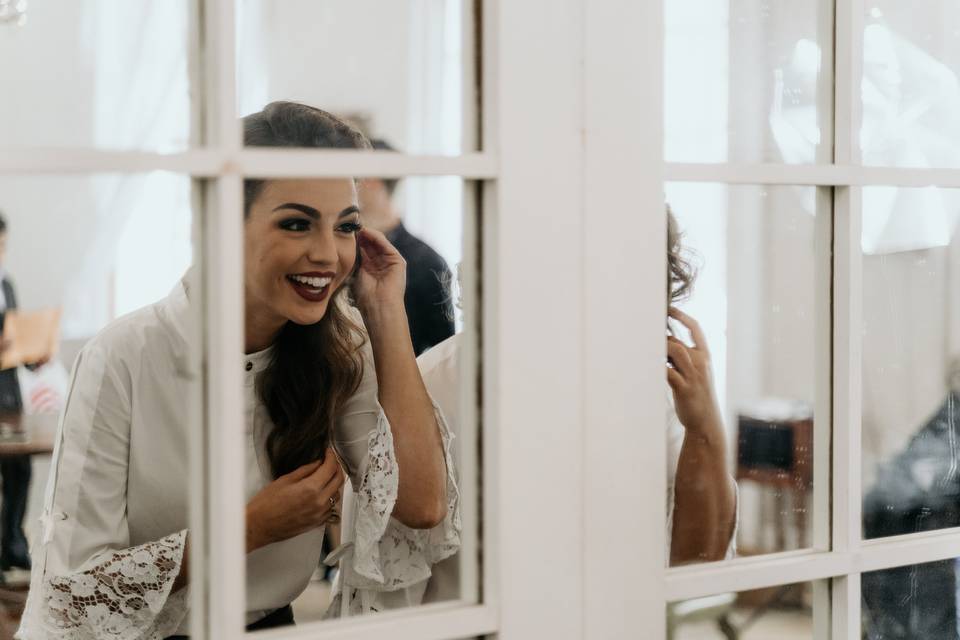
331 389
702 495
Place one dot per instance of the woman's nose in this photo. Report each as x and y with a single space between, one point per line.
323 249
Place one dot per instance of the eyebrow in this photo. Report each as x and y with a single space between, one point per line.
314 213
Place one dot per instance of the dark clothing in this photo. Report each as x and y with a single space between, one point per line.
10 399
15 470
427 300
917 490
282 617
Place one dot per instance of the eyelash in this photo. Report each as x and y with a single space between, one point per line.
300 225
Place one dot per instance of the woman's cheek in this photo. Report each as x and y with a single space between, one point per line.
349 255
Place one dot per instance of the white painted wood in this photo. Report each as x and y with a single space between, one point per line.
847 319
430 622
276 163
200 162
259 163
224 544
802 566
814 175
537 291
624 310
469 436
823 379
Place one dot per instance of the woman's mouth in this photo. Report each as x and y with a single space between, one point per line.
311 287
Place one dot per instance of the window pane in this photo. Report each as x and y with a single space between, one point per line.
911 360
403 72
783 612
98 74
95 274
748 81
753 251
911 93
918 601
299 275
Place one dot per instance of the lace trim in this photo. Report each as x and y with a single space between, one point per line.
387 554
125 596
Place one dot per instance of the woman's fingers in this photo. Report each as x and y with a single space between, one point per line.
679 356
301 472
675 380
374 245
699 339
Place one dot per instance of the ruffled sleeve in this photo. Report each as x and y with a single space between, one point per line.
124 594
379 555
88 581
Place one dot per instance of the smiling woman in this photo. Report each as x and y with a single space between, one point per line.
332 392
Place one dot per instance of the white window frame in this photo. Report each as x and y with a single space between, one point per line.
573 472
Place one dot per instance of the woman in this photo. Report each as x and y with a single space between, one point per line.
702 495
328 388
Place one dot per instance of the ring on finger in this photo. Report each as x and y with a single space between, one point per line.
333 502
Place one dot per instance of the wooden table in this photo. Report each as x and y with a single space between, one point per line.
22 435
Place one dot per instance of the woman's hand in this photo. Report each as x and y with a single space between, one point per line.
382 277
304 499
691 379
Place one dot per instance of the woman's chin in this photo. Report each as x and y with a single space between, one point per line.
307 317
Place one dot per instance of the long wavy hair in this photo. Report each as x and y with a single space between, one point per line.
314 368
681 272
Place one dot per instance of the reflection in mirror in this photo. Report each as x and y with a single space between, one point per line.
911 360
93 281
405 73
918 601
351 476
753 252
117 75
763 68
783 612
911 84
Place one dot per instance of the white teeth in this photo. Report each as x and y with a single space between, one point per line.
316 283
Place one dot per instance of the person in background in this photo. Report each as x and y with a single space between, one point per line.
15 470
427 298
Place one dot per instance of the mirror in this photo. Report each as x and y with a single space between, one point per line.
741 417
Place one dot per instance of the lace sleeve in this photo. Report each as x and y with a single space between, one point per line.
387 554
125 594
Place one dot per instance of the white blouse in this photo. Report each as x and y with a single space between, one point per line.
114 523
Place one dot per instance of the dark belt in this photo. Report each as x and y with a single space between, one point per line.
282 617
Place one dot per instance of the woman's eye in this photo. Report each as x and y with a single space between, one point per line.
350 227
295 224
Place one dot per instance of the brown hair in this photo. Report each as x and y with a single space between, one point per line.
680 271
314 368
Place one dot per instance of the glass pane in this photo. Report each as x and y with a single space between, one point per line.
98 74
404 76
911 360
748 81
911 93
783 612
332 312
918 601
752 251
95 272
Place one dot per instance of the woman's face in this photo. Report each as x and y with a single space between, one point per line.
299 247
